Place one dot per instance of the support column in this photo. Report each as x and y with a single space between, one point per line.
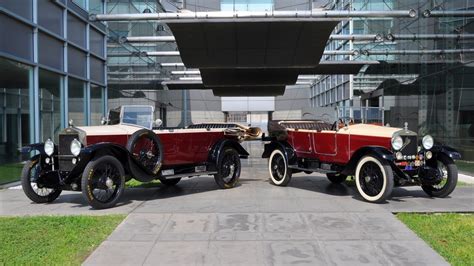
35 122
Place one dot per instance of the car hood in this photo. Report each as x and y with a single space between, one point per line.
369 130
109 130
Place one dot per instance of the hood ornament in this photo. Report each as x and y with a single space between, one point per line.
406 126
71 123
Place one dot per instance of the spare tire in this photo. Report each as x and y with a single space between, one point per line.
146 155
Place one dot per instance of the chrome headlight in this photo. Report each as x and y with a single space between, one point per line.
428 142
49 147
397 143
76 147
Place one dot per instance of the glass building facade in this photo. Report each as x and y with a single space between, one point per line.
52 65
425 81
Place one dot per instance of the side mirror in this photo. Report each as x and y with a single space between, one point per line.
103 121
157 123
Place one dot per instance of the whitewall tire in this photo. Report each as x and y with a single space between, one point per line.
280 174
374 179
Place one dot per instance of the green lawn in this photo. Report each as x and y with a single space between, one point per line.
465 167
57 240
451 235
132 183
10 172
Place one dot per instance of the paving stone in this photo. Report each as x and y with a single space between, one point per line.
178 253
409 253
353 253
120 253
294 252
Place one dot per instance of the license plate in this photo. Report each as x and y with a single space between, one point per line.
167 172
200 168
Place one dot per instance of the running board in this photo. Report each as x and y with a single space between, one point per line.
319 170
189 175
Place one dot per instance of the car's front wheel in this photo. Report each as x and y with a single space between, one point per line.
374 179
449 172
280 174
34 189
103 182
228 169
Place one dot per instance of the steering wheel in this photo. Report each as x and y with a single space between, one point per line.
335 125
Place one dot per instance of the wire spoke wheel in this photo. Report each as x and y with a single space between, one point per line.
278 167
280 174
449 177
147 152
228 169
103 182
372 179
32 186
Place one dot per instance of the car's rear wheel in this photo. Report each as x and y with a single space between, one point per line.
336 178
228 169
146 151
449 171
170 182
32 188
103 182
280 174
374 179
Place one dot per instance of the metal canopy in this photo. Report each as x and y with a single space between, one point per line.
226 91
408 67
289 44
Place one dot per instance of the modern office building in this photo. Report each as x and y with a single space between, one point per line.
52 65
426 79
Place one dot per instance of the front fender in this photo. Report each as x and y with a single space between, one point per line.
448 151
377 151
35 147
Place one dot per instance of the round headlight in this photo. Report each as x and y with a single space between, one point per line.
397 143
49 147
428 142
76 147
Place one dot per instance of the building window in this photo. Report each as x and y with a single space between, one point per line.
96 104
76 101
50 104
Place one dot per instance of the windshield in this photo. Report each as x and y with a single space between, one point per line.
138 115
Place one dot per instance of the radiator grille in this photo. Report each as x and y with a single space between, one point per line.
410 145
64 151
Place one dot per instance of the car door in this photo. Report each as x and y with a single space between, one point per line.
302 142
325 142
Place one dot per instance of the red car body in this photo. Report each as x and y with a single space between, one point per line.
379 157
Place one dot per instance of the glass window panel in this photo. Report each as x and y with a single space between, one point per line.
76 30
50 104
97 104
76 62
97 69
96 42
76 100
21 8
14 116
50 51
50 16
19 44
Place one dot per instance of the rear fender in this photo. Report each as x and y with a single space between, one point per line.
218 148
377 151
286 148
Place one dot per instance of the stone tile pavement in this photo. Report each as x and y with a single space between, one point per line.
310 222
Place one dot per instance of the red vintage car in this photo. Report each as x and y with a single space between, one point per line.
98 160
379 157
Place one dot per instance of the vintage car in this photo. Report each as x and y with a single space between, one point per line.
98 160
379 157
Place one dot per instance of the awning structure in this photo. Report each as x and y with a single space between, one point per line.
401 68
259 57
260 82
